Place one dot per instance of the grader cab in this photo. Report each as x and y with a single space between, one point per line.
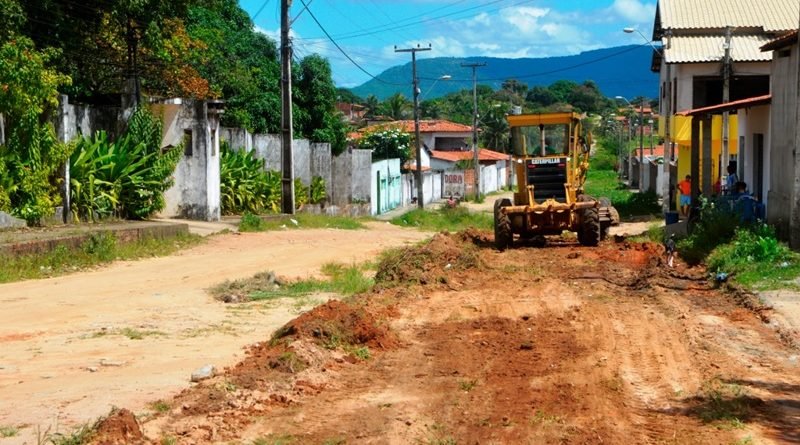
551 155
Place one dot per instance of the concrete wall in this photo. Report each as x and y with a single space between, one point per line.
351 180
783 125
308 160
196 193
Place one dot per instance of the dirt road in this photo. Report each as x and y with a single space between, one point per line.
530 346
131 333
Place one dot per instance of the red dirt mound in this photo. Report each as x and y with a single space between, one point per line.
120 427
338 323
427 263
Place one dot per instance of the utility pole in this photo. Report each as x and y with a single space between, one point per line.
652 148
475 160
668 148
641 146
415 82
726 97
287 135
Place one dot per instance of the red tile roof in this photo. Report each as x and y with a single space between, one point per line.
657 151
425 126
484 154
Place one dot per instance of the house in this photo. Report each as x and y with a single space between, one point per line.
436 134
777 150
457 165
351 113
694 36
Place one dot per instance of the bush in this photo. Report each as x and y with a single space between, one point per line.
244 185
251 223
300 193
755 257
318 193
717 225
125 178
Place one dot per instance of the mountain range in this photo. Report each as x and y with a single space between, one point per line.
618 71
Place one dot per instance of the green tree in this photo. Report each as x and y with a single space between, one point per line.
540 96
396 107
347 96
316 95
373 105
240 64
32 154
562 90
494 128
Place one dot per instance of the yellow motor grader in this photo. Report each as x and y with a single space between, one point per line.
551 157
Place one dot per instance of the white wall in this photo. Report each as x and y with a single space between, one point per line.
751 121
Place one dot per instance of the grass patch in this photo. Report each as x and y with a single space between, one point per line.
446 218
254 223
437 435
724 404
79 436
169 440
756 259
160 406
100 248
361 353
606 184
136 334
275 440
467 385
345 280
8 431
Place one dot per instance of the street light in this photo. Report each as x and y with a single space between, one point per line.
443 77
626 150
667 109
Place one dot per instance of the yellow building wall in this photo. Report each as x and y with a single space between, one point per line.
681 132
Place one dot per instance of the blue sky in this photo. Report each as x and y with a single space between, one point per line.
368 30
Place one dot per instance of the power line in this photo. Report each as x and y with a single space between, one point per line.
263 5
432 19
342 50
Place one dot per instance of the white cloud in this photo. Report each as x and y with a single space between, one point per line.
634 10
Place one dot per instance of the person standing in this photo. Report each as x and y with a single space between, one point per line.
685 188
731 180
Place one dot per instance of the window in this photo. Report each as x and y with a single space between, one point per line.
188 143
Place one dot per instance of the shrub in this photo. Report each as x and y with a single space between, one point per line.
251 223
755 244
244 185
126 177
300 193
717 225
318 192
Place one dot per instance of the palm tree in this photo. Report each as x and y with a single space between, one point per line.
396 106
372 103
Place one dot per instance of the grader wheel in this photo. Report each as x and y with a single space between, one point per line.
503 236
589 232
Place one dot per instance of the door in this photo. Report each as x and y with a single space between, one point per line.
758 167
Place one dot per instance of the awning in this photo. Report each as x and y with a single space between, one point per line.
729 106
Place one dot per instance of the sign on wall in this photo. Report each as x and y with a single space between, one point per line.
454 184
